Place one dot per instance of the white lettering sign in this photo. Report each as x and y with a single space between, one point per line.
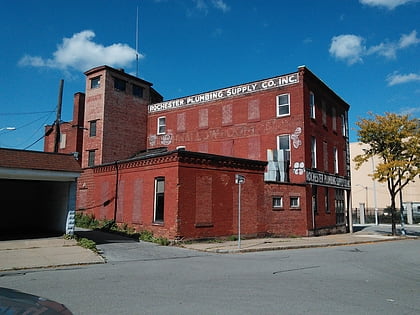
324 179
225 93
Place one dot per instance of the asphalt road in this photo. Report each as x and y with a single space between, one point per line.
380 278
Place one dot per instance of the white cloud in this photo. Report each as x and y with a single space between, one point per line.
203 6
221 5
411 111
408 40
389 4
347 47
81 53
396 78
350 48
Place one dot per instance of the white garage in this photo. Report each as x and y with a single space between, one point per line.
38 193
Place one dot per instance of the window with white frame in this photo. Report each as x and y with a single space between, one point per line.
312 105
344 125
334 118
283 105
277 202
335 160
159 201
294 202
161 125
313 152
283 143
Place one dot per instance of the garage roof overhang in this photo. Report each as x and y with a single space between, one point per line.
41 175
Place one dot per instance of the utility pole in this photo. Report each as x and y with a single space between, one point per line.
58 118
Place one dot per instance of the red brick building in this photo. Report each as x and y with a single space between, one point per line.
293 122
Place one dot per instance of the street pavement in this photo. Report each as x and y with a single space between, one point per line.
57 251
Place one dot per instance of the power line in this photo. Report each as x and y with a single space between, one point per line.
27 113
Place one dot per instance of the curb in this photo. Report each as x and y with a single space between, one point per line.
298 246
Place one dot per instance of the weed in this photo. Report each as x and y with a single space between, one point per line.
86 243
146 236
87 221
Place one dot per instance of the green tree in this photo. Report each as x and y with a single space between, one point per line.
395 140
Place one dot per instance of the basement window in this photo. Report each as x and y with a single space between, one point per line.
277 202
294 202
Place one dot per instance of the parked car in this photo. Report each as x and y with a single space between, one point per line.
16 302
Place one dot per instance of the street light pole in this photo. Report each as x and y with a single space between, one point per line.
239 179
374 195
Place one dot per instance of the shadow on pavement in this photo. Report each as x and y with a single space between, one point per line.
100 237
28 235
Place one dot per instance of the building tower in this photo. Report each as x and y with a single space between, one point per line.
115 119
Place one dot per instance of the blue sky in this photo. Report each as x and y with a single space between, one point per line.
367 51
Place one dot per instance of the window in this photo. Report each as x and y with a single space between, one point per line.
161 125
339 206
335 160
334 118
95 82
277 202
315 199
63 139
325 155
159 199
294 202
91 157
313 152
92 128
344 125
119 84
312 105
327 200
283 105
324 113
283 143
138 91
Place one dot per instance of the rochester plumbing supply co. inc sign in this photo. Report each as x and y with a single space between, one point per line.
227 92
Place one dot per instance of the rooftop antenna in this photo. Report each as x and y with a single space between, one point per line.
137 43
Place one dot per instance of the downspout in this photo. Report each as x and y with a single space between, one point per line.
116 191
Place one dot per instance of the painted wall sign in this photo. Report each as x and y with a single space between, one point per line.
324 179
225 93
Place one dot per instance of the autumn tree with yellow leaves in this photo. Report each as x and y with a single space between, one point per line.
395 140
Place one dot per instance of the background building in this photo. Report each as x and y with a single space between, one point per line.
369 194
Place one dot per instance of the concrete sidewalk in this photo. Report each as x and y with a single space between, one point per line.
364 234
44 253
265 244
